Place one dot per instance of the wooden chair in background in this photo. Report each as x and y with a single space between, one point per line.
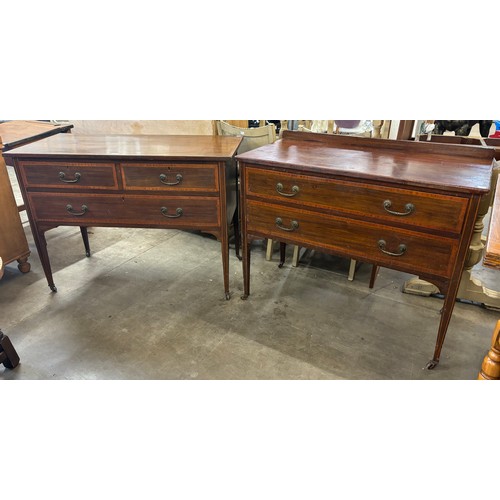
252 138
13 242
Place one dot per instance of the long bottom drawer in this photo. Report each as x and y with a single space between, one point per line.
410 251
171 211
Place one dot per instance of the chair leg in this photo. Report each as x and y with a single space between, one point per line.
352 270
269 251
282 254
373 276
8 355
85 237
237 216
237 235
296 254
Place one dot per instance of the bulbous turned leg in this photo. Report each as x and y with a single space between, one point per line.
490 369
23 265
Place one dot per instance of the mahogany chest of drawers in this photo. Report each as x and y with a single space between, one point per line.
181 182
404 205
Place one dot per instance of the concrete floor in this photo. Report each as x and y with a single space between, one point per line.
149 304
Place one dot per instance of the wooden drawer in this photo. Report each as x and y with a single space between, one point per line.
170 176
354 238
151 211
432 211
68 175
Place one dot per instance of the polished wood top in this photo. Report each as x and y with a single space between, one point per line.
17 132
452 167
492 251
154 147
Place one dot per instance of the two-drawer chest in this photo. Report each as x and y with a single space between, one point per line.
180 182
409 206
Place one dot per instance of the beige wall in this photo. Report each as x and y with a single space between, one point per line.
138 127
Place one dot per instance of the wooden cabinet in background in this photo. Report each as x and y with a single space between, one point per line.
13 242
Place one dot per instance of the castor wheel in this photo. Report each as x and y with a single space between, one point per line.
432 364
228 295
53 288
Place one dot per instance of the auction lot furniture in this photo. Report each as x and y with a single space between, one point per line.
389 203
155 181
13 243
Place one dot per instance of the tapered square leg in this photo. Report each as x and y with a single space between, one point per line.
85 237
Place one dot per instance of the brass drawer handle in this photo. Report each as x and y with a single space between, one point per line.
85 209
409 207
62 177
280 187
401 249
163 178
178 212
279 223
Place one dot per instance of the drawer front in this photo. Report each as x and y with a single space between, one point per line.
415 252
171 177
418 209
69 175
85 209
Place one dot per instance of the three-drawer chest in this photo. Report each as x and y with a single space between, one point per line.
176 182
409 206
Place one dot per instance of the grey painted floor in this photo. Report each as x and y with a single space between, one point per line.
149 304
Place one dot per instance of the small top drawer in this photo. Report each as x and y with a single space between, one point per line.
170 176
398 206
68 175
